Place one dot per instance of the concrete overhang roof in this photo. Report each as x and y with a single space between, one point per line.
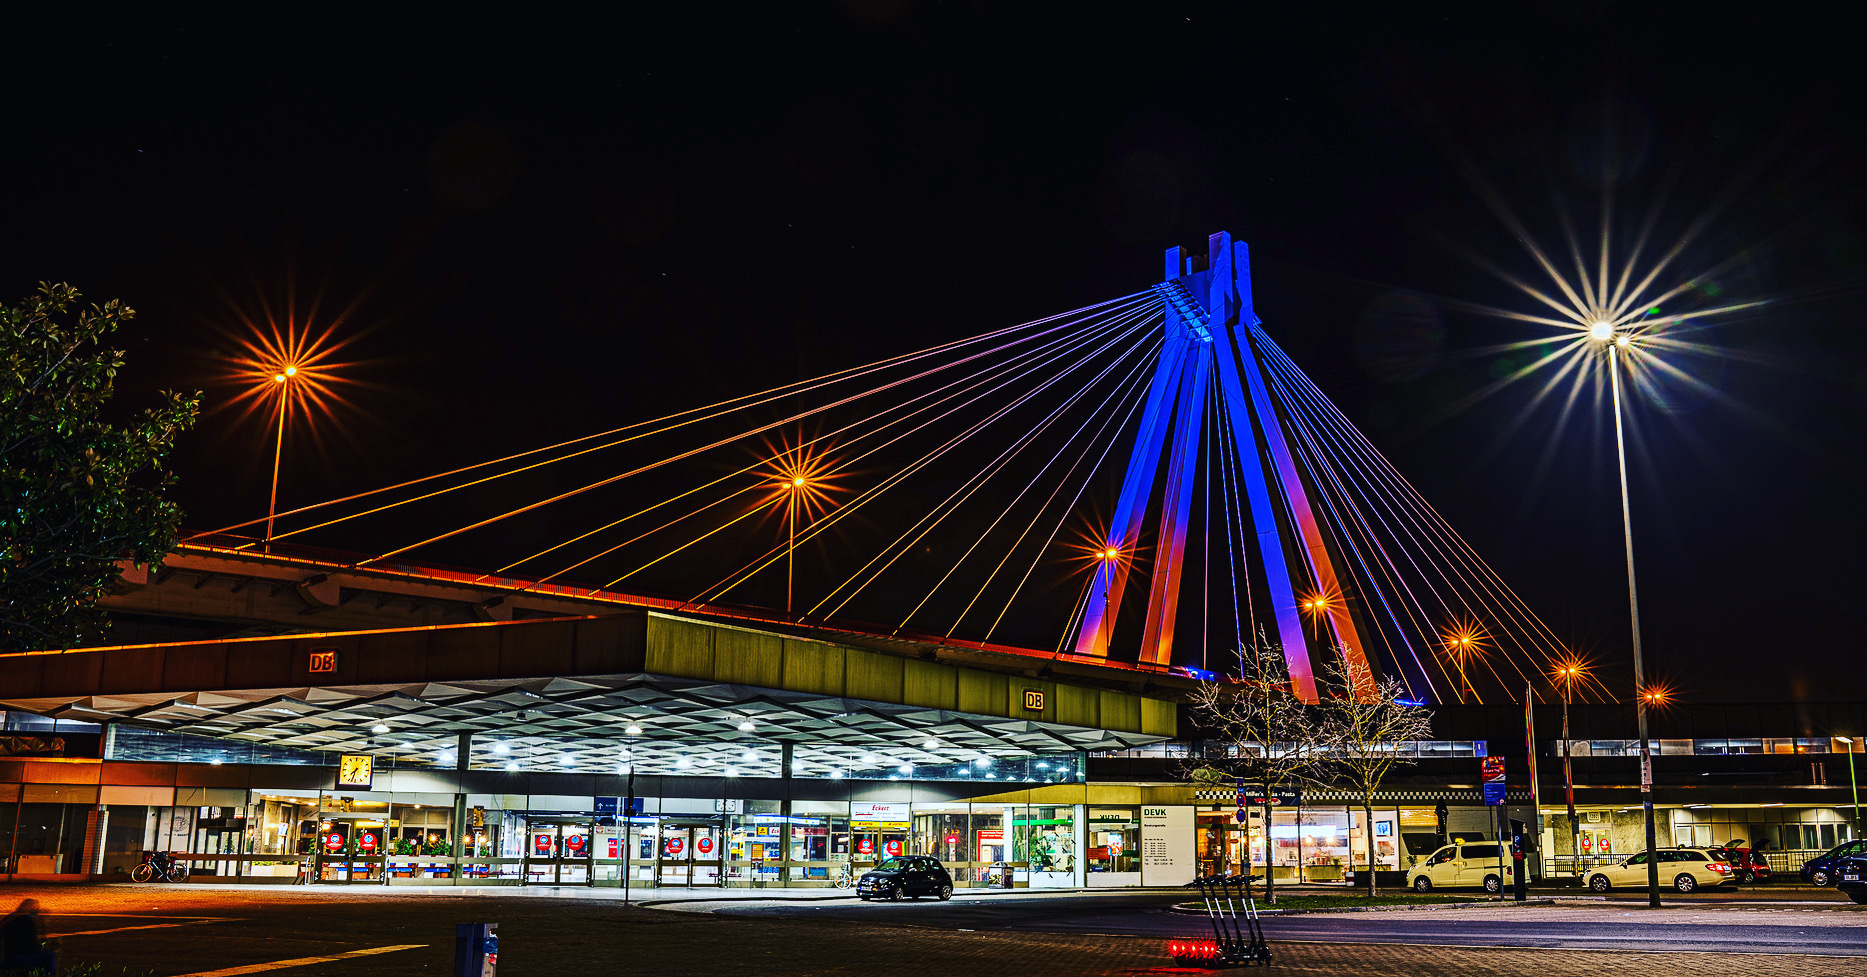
570 688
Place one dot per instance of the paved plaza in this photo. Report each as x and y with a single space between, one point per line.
166 931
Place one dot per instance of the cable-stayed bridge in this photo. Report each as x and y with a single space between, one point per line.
1147 480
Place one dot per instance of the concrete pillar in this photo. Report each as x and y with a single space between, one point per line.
462 751
784 806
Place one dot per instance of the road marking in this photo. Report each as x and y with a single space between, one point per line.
145 926
260 968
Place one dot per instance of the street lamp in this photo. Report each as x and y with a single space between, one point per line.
795 486
1567 674
1853 785
1464 640
1110 557
1616 341
284 380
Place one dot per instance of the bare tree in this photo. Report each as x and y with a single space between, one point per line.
1363 732
1271 739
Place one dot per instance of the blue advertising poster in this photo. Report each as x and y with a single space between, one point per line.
606 807
1494 794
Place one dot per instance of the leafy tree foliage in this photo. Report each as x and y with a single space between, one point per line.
77 492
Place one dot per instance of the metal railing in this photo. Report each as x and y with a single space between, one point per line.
1780 862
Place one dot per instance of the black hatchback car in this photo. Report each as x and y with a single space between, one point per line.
1851 878
912 876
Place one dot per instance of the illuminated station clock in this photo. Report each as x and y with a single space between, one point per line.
355 771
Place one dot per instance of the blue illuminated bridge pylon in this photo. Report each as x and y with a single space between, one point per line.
1207 321
949 495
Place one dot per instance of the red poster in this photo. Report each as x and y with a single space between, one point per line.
1604 844
705 845
333 841
369 841
675 845
615 848
541 844
1587 843
864 846
574 843
892 847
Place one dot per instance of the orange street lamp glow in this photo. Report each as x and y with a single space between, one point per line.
288 370
799 484
1465 639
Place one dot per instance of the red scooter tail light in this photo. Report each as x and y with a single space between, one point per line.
1193 949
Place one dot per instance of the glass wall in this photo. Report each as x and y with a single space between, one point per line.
1112 853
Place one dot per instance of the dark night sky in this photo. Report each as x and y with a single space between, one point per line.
551 227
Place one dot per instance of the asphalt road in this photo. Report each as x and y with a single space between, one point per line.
204 931
1724 923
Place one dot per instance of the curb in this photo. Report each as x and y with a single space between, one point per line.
1375 909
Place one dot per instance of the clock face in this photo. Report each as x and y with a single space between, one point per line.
354 771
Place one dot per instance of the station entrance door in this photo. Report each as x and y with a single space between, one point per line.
560 850
690 851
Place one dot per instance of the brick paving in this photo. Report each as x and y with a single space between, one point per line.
542 936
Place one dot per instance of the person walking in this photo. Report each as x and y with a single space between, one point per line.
23 944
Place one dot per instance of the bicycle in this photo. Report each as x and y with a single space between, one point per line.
159 867
848 878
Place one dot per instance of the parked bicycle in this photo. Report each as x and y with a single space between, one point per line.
848 878
159 866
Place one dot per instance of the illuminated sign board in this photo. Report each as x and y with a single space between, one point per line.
323 660
1034 700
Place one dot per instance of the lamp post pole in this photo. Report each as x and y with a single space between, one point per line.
1568 781
283 379
1633 607
1853 785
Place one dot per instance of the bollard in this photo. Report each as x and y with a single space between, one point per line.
476 949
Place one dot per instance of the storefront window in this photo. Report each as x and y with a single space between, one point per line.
944 832
1386 839
1114 844
1054 845
879 829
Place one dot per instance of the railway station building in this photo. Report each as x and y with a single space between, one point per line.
279 718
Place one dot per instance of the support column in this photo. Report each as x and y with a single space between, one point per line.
784 810
463 748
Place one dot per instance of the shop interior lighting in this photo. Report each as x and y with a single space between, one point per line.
746 725
634 730
513 765
501 748
380 728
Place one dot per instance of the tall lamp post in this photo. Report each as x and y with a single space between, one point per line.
1566 675
1605 334
1853 785
283 380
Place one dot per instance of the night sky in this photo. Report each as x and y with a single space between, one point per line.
539 226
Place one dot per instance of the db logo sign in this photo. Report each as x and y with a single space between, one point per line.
675 845
892 847
705 845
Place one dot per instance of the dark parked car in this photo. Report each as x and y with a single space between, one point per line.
912 876
1747 866
1851 878
1820 870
